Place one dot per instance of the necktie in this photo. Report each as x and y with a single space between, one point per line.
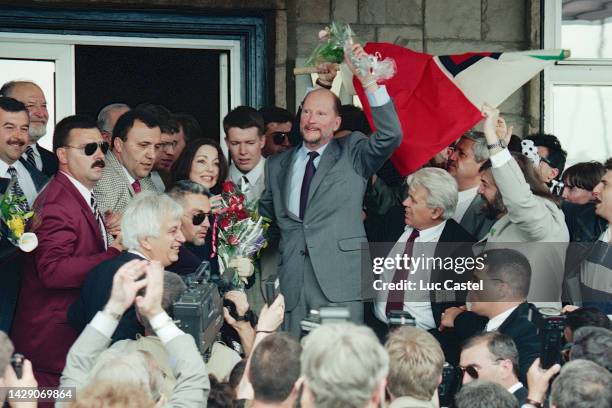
308 175
395 301
136 186
30 153
16 189
94 207
245 186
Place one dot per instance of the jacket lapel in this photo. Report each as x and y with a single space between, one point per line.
285 170
329 158
117 168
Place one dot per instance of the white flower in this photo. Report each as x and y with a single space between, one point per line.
28 242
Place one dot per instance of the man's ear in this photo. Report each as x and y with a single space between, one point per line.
555 172
145 244
437 213
262 141
379 393
61 155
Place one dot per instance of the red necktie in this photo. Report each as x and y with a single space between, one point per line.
136 186
395 300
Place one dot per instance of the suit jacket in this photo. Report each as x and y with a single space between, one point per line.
69 246
192 386
539 225
518 326
331 232
94 295
113 191
521 395
50 163
474 220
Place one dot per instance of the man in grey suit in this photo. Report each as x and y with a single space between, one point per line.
464 165
135 144
314 193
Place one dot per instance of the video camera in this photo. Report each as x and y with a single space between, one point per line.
550 323
199 310
325 315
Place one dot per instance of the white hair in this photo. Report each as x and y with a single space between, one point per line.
143 216
343 365
441 187
102 120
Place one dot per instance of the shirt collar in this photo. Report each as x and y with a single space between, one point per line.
35 149
495 322
605 236
515 387
4 168
252 176
430 234
140 254
85 192
303 151
131 179
21 170
468 194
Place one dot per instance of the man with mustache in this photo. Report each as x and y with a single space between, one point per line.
33 98
134 148
26 182
71 241
314 194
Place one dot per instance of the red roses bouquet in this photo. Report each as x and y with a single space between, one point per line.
241 235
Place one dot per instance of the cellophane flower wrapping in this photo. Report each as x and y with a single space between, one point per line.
336 40
242 231
12 214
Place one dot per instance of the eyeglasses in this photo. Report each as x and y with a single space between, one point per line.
91 148
279 137
470 369
199 218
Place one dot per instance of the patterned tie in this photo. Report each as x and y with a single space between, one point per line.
308 176
30 153
136 186
94 207
395 301
16 189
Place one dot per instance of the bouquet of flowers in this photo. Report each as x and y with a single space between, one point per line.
336 40
15 219
241 235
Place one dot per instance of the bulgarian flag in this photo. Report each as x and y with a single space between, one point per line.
439 98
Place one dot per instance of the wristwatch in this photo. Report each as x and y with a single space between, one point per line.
496 144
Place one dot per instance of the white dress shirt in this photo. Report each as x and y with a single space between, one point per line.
157 180
465 198
255 180
37 156
515 387
420 307
24 179
494 322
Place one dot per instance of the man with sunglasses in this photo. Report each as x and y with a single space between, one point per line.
492 356
278 123
71 241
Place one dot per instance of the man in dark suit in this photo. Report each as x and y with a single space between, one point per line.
151 229
429 231
33 98
25 181
493 357
499 306
71 241
314 193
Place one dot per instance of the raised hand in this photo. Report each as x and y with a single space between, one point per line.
150 304
128 280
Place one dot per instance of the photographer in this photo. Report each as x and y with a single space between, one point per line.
584 316
191 389
8 377
593 344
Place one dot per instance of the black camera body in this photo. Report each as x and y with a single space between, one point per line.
325 315
550 323
199 312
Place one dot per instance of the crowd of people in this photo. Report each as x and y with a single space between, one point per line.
125 209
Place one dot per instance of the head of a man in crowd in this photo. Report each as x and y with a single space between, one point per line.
581 383
353 120
194 198
80 149
173 289
432 198
464 162
579 181
505 276
490 356
343 365
111 394
275 370
170 135
33 98
151 225
593 344
189 129
484 394
493 201
552 156
603 194
415 363
245 137
320 118
136 142
440 160
584 316
107 118
6 352
278 123
14 124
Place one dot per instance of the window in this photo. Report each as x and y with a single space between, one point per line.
578 91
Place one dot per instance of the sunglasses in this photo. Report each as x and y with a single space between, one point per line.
471 370
279 137
199 218
91 148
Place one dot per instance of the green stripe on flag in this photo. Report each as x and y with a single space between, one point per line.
558 57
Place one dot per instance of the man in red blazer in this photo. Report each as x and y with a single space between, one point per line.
72 241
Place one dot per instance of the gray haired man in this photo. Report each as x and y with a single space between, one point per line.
107 118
